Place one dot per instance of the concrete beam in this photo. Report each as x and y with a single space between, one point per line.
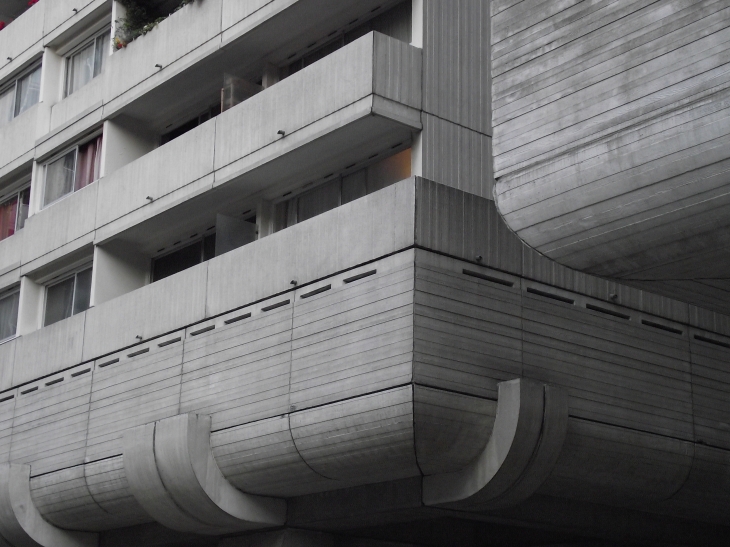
21 525
173 475
528 435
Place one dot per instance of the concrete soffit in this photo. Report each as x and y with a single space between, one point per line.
528 436
173 475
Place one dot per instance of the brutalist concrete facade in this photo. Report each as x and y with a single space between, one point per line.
259 284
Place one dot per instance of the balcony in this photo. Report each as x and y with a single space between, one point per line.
361 100
375 337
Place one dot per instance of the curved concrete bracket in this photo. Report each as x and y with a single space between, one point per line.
528 435
173 475
21 525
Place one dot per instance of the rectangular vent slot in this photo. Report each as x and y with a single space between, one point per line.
79 373
31 390
274 306
56 381
201 331
360 276
607 311
236 319
711 341
660 326
168 342
140 352
317 291
486 277
8 398
551 295
112 362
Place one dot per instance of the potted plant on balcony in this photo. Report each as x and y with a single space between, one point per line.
141 16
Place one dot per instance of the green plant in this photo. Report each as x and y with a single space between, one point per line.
140 18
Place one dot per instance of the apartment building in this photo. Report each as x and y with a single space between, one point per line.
368 273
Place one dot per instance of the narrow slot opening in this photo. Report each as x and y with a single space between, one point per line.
546 294
486 277
8 398
56 381
201 331
236 319
79 373
168 342
711 341
360 276
140 352
660 326
113 361
608 312
31 390
274 306
317 291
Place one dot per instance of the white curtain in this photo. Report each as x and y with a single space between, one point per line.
28 92
59 178
80 69
8 315
6 105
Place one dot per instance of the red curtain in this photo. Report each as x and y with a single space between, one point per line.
8 212
88 163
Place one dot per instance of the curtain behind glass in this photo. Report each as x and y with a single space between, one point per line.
8 315
80 69
28 91
82 294
88 165
6 105
23 206
59 301
59 178
319 200
8 214
101 53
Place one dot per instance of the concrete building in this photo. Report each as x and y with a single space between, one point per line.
260 284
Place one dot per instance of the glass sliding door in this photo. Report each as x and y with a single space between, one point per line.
28 91
60 175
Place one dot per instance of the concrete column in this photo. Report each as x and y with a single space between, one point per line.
417 23
125 140
271 75
118 269
30 307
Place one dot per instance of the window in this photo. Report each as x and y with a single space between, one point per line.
68 296
182 259
343 190
73 170
86 62
20 94
13 212
180 130
9 313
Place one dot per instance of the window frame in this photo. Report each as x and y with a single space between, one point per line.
15 194
13 84
7 293
74 148
65 276
92 39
